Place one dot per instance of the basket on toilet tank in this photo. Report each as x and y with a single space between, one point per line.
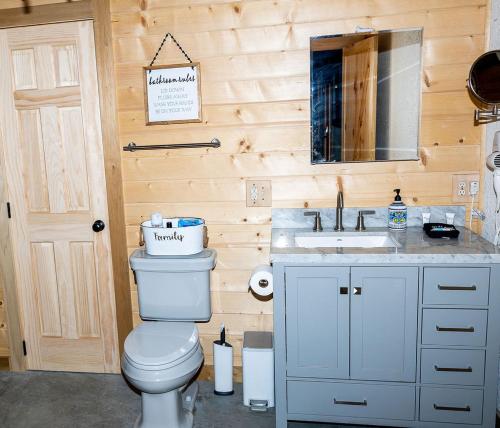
178 236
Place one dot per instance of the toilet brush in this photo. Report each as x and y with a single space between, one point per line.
223 365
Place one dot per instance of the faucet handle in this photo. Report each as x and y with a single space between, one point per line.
360 224
317 220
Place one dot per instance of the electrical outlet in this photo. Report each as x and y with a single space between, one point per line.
461 188
259 193
464 187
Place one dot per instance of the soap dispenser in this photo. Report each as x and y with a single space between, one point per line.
398 213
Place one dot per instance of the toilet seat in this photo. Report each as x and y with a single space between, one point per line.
156 345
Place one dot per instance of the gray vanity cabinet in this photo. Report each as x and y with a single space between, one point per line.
317 321
358 323
387 345
384 323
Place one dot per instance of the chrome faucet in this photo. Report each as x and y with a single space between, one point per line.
360 225
339 227
317 220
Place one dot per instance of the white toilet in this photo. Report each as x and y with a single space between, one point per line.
163 353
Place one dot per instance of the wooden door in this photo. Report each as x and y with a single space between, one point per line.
317 322
359 84
51 136
384 303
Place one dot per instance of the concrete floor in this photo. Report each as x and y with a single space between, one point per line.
75 400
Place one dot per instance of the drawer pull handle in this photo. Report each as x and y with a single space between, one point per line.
456 329
456 288
350 403
453 369
452 409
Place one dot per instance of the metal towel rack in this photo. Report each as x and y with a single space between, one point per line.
132 147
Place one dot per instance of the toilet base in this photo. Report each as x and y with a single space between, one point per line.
172 409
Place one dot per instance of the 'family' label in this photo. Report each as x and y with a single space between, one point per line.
173 237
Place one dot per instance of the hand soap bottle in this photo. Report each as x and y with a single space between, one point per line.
398 213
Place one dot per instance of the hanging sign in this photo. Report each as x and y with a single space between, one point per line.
172 93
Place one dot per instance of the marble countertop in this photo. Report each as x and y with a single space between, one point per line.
414 247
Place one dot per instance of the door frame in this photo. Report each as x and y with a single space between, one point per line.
99 12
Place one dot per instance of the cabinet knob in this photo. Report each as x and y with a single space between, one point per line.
357 291
344 290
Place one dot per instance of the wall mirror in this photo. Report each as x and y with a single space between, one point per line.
365 96
484 86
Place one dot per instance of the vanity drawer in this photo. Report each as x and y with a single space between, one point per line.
456 286
351 400
461 406
466 327
452 366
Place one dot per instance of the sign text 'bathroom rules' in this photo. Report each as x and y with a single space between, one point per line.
172 94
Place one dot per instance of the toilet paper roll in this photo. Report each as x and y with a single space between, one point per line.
261 281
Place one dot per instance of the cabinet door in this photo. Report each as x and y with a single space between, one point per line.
317 322
384 323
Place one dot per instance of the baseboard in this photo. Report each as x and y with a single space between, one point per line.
4 364
207 373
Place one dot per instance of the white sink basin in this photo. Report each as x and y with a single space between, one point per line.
345 240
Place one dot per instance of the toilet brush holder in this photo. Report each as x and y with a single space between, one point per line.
223 368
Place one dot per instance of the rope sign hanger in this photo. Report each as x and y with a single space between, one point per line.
161 46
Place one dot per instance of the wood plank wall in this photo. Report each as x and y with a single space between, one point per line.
255 87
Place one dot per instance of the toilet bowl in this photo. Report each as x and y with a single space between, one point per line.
159 359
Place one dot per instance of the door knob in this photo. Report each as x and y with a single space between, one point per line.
98 226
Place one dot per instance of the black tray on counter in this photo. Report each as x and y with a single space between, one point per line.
441 230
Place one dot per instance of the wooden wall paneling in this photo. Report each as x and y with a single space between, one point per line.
191 18
437 79
275 59
345 7
276 164
112 164
254 57
239 69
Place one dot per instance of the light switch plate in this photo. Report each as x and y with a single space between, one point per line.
462 186
259 193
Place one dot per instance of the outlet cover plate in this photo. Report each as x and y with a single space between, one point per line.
259 193
467 179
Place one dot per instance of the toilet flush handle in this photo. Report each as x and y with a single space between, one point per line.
98 226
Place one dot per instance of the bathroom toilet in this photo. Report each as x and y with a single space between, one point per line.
162 354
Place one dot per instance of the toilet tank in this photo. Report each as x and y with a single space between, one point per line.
173 288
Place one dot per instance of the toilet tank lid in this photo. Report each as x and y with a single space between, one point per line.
204 260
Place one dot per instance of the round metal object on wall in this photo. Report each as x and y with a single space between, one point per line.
484 78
